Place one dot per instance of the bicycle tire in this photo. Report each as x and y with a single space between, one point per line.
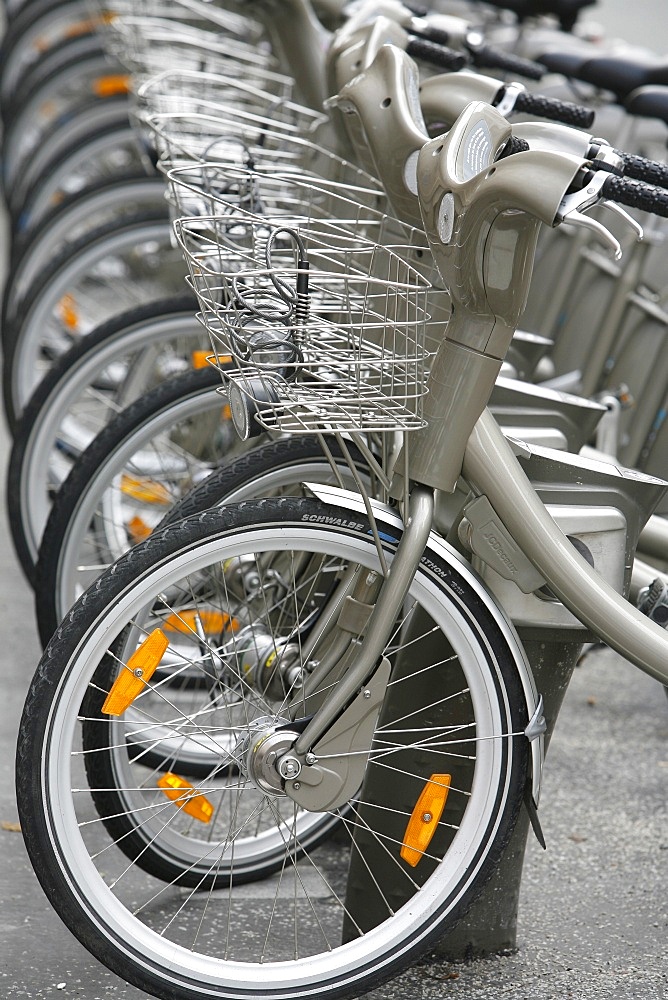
89 384
20 34
94 509
34 153
49 62
150 948
81 213
105 153
265 469
38 335
88 123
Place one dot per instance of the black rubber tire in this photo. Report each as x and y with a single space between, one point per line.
38 413
22 22
56 149
68 54
56 689
20 327
24 215
86 471
244 471
82 204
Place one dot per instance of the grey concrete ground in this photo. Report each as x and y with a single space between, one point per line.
593 919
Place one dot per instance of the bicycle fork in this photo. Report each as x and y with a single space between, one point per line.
342 728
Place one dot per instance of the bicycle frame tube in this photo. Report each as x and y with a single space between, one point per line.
490 466
301 39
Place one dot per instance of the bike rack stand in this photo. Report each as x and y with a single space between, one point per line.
491 924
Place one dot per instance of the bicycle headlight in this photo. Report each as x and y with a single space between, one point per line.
248 400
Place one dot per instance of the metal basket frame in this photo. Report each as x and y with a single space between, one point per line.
147 45
348 354
198 12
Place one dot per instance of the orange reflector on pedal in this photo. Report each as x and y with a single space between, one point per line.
144 489
425 817
212 622
136 674
183 794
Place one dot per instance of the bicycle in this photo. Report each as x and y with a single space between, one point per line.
286 613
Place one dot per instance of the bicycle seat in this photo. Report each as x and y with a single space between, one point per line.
566 11
620 75
567 63
648 102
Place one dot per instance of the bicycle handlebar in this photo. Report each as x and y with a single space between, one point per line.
429 40
636 194
436 54
491 57
641 169
554 109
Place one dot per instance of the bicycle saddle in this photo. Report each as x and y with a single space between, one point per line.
618 74
648 102
566 11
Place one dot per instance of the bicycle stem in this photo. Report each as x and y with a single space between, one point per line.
491 467
299 36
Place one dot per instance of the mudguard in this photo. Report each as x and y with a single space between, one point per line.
388 515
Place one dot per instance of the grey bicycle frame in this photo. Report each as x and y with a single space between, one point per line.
482 219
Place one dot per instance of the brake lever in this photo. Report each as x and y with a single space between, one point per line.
573 205
576 218
623 214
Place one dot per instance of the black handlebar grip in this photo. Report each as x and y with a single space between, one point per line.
437 55
558 111
650 171
431 34
636 194
489 57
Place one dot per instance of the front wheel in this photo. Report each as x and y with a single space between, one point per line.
224 887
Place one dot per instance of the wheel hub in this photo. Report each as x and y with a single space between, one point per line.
259 753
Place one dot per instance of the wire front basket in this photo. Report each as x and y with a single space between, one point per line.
326 327
200 116
147 45
270 190
147 36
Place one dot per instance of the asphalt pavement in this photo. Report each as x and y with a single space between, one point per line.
593 919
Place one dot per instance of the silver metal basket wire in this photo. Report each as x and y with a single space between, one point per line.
325 324
240 137
354 204
228 18
207 188
147 45
183 90
164 102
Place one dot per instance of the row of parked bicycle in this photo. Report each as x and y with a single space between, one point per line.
356 222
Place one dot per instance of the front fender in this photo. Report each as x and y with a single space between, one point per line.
389 516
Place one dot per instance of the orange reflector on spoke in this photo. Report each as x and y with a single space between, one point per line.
425 817
144 489
200 359
138 529
212 622
111 85
68 312
136 673
183 794
83 27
